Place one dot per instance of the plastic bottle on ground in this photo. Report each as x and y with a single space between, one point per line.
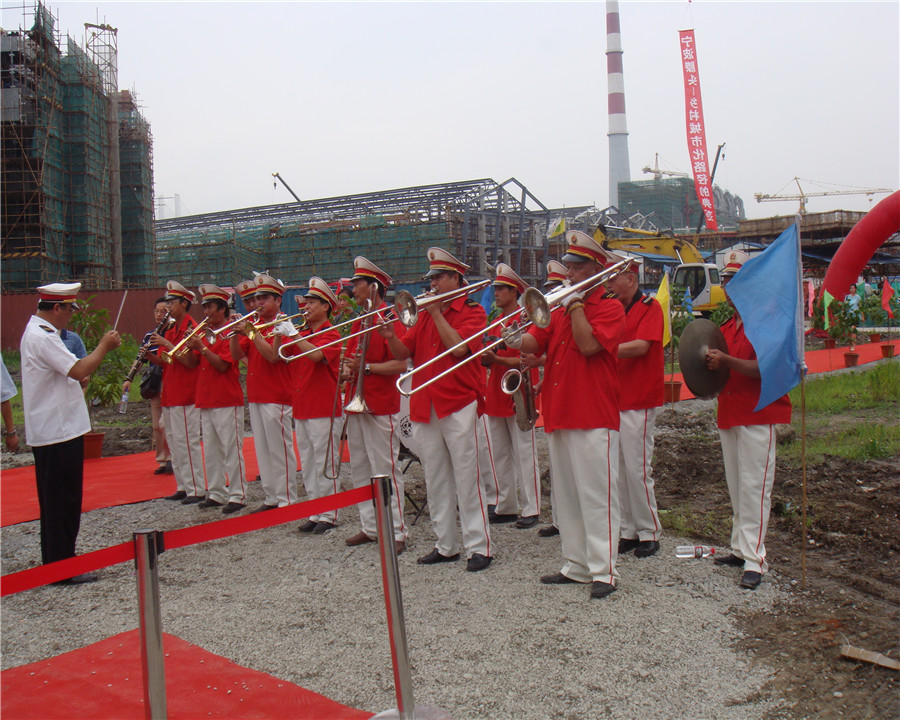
123 403
694 551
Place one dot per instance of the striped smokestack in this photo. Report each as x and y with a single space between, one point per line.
619 170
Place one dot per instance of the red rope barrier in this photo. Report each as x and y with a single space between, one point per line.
45 574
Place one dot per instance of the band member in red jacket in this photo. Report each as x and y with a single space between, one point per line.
445 413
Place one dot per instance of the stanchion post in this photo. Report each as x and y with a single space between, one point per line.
148 544
390 574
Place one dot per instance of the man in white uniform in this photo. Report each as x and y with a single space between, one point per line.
56 418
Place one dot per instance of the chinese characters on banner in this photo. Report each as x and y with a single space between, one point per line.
696 131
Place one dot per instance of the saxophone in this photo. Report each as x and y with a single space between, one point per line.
518 384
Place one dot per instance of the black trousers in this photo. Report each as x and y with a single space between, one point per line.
60 481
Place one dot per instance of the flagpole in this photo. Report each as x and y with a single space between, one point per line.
803 370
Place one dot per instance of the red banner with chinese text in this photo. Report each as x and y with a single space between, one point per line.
696 130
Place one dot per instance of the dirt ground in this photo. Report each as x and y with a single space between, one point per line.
852 588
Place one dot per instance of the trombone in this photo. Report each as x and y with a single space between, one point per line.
406 310
536 306
181 348
278 320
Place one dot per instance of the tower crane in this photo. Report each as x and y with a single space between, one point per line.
657 173
803 197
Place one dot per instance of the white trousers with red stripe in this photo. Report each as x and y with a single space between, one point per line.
637 498
223 453
585 472
486 462
749 452
318 443
449 453
374 444
514 459
183 435
273 438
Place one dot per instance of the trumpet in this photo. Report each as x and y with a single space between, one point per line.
228 329
181 348
278 320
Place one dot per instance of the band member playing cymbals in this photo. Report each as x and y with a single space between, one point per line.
445 412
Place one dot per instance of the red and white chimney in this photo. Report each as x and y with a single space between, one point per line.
619 169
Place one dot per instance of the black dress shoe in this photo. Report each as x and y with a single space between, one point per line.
232 507
192 500
180 495
79 579
524 523
626 545
750 579
161 470
209 503
548 531
492 509
323 527
557 579
601 589
646 548
169 469
730 559
496 519
263 508
478 562
435 557
258 478
308 526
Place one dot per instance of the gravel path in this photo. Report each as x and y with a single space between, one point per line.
495 644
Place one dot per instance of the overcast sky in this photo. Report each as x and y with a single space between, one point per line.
343 98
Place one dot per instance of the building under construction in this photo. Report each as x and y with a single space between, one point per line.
674 201
480 221
76 168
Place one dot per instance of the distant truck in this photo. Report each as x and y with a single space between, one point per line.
700 278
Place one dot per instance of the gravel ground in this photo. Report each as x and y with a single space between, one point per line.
495 644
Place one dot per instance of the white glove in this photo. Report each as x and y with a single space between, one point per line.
570 298
285 328
512 336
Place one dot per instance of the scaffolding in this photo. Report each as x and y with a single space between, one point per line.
62 217
480 221
674 202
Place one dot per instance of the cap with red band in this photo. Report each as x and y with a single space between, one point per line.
556 272
246 288
734 262
319 289
582 247
506 276
267 285
363 268
177 290
60 293
213 292
439 260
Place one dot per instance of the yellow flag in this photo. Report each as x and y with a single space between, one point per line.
558 229
662 296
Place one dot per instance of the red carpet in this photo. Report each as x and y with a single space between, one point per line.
104 681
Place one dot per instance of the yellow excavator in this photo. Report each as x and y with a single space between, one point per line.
701 278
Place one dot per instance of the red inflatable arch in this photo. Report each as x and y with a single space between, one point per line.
860 245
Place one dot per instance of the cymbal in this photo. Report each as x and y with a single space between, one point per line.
698 337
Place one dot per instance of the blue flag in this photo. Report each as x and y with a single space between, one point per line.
688 302
768 295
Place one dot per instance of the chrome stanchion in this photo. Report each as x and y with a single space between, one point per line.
390 574
148 544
